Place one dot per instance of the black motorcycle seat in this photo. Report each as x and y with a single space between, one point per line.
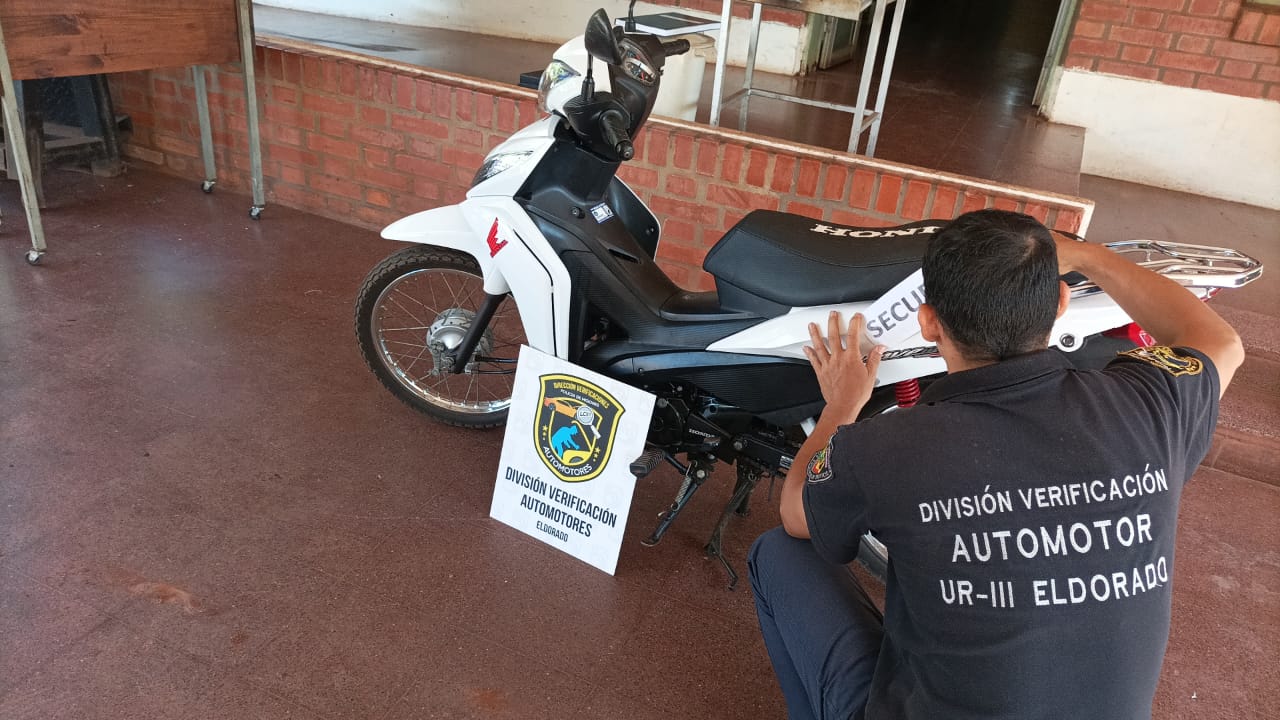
771 261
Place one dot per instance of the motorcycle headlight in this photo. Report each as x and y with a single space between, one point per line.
497 163
557 72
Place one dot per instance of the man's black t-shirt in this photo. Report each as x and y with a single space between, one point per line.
1029 512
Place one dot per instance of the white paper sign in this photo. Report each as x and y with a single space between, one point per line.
893 318
564 476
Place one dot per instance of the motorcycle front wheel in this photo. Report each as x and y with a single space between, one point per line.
418 304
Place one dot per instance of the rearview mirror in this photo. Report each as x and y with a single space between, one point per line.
599 39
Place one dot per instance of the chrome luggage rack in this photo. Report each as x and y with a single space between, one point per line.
1193 266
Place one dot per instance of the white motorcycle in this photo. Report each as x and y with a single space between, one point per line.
552 250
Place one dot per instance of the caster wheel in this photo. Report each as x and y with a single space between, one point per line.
255 212
207 185
34 257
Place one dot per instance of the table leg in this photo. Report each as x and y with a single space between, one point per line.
245 12
722 60
868 69
899 8
206 131
17 141
752 47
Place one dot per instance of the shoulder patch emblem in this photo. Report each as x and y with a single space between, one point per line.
1166 359
820 466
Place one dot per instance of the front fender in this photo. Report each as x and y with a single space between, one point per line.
447 227
498 234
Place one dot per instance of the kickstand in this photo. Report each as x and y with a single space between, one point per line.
697 473
747 479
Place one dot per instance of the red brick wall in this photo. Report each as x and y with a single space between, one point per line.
1219 45
366 141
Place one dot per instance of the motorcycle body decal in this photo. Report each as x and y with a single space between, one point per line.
575 428
1166 359
602 212
495 243
930 351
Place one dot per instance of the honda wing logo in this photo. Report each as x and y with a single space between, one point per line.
495 243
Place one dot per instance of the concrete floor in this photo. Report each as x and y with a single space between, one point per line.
209 507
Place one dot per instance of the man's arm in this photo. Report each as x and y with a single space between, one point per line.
1172 315
846 383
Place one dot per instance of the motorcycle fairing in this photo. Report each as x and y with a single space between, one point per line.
638 219
776 390
611 269
532 142
786 336
514 261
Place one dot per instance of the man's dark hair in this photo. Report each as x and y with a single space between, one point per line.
992 278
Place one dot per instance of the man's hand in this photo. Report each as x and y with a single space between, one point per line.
1071 253
846 380
1162 307
846 383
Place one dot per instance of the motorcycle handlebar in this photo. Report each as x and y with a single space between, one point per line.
614 129
675 47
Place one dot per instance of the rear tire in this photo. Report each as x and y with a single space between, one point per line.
418 302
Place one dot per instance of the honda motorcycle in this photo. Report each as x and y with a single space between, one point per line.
552 250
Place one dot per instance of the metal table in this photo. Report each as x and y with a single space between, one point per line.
60 38
863 119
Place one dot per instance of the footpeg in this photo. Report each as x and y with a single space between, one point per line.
648 461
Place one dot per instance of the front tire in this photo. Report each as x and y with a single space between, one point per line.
417 304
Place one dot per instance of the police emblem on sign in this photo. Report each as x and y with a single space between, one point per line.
576 425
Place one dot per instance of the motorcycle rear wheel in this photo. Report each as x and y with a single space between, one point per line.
417 303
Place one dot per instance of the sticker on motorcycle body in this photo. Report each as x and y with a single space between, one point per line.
601 212
892 318
496 239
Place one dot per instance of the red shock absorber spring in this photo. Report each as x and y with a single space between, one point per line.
907 392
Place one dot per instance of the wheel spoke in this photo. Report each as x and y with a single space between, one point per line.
405 294
416 301
441 378
415 359
453 294
406 354
406 310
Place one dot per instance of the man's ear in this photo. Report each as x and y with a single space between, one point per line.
1064 298
929 325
